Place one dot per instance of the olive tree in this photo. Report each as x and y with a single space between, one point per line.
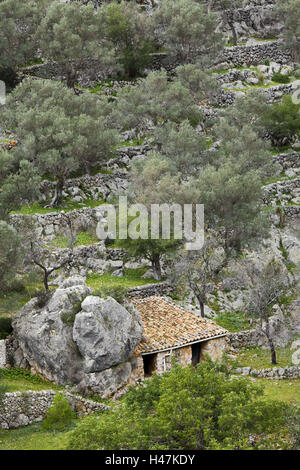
156 100
187 30
18 24
269 284
289 11
233 206
72 34
130 30
59 132
196 270
9 253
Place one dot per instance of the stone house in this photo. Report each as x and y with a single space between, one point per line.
170 331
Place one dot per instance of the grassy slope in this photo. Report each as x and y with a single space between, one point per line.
258 358
32 437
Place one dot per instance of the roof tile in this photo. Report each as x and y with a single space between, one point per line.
167 325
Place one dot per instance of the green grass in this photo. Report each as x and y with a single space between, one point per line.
32 437
258 358
82 239
285 390
131 143
37 208
12 302
19 380
131 278
233 321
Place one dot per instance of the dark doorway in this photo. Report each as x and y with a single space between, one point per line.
150 364
196 351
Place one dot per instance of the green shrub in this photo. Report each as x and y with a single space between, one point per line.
187 408
297 73
117 292
69 317
279 78
5 327
267 62
60 415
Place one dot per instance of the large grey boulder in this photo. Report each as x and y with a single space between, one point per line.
46 339
106 333
79 339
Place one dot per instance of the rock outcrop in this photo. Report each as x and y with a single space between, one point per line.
77 338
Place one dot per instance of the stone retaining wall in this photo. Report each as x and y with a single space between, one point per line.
278 373
288 160
24 408
160 289
257 54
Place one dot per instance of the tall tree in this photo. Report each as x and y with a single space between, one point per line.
18 24
187 30
183 146
130 30
58 131
157 100
289 11
268 286
233 206
196 270
72 34
10 253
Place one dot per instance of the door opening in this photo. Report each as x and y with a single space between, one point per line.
196 351
150 364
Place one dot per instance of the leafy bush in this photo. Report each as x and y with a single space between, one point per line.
60 415
188 408
5 327
279 78
282 121
116 292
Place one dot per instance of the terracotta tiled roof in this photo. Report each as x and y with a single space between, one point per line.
166 325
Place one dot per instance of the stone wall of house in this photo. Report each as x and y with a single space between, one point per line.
137 370
23 408
184 355
214 348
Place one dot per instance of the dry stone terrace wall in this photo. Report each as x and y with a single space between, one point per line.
98 187
277 373
55 223
256 18
21 409
288 160
257 54
235 56
148 290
